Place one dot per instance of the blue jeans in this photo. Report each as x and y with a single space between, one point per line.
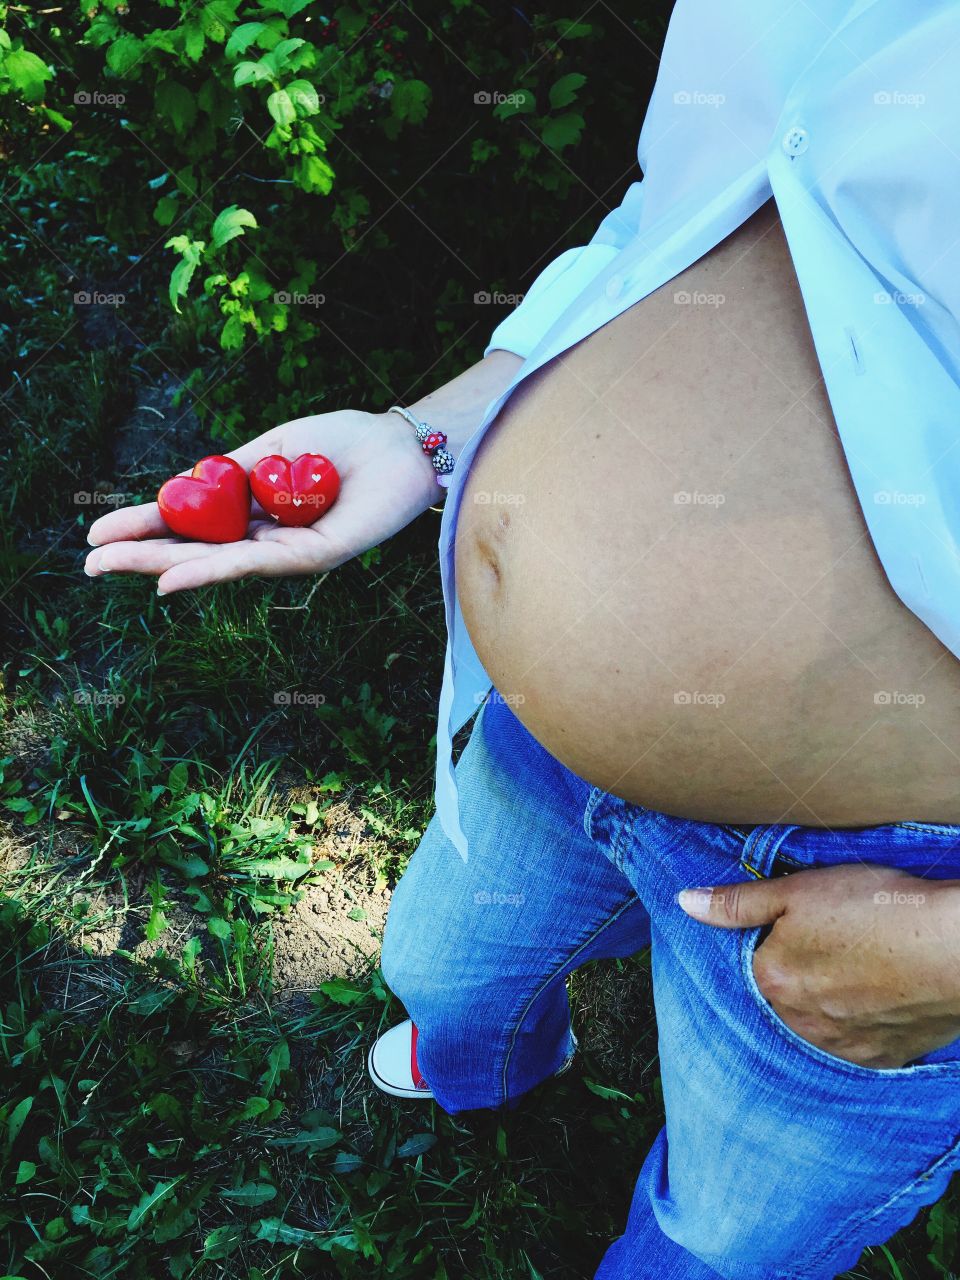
777 1159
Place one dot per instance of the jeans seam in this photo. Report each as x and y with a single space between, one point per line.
857 1220
614 915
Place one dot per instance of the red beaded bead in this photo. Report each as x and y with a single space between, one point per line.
433 441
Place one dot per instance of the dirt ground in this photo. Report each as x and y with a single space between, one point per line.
334 930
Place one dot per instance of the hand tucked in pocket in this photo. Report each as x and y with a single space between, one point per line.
861 961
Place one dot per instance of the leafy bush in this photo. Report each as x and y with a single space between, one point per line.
323 195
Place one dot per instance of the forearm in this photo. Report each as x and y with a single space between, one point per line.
457 407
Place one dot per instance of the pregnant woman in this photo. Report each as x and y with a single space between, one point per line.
701 538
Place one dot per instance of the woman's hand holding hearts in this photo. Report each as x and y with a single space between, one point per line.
386 482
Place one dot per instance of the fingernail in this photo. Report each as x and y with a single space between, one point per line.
91 566
694 899
160 591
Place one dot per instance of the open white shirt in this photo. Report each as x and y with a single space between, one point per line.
847 112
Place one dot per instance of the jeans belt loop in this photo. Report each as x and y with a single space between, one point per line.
761 847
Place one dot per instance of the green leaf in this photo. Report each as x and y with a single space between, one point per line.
177 778
346 1162
279 57
308 1139
417 1145
562 131
230 223
124 54
55 117
278 1061
250 72
176 104
342 992
304 97
565 90
233 333
16 1118
280 868
281 108
220 928
243 37
521 102
149 1201
156 923
25 1171
603 1091
251 1193
193 39
27 73
410 101
183 272
276 1231
222 1241
289 8
315 175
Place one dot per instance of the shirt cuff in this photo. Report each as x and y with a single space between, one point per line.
548 298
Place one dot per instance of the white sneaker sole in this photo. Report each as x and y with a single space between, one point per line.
396 1091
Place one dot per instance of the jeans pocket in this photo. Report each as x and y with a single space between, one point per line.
749 942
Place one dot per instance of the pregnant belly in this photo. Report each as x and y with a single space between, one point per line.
663 567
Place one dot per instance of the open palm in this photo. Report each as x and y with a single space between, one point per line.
385 482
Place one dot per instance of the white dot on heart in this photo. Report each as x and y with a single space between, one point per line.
273 478
315 477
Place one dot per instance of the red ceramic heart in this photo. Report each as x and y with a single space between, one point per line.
211 504
295 493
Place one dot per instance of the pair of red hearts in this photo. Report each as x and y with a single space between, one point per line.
212 504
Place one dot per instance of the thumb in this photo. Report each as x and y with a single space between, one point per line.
736 906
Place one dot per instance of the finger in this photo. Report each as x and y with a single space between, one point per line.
736 906
153 556
231 561
127 523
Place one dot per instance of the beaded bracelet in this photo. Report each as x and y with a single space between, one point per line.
432 443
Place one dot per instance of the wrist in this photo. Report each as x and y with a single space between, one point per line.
457 408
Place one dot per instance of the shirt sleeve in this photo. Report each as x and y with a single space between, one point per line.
566 277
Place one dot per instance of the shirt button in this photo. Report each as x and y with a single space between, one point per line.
795 141
614 287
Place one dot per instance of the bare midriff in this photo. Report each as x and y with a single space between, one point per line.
664 568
